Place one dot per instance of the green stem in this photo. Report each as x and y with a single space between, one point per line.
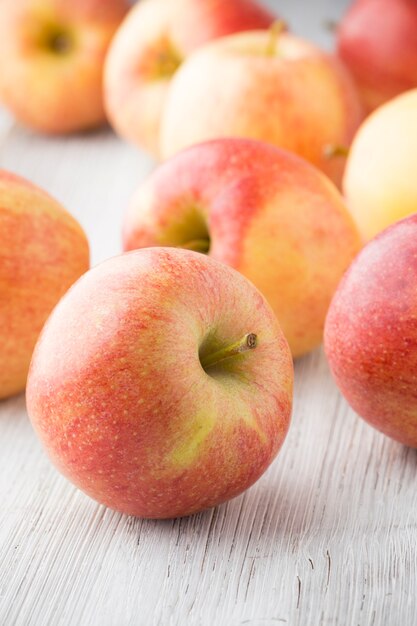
275 32
335 150
248 342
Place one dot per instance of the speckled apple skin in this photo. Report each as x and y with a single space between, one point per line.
270 215
371 333
378 43
49 92
120 400
295 97
135 92
43 250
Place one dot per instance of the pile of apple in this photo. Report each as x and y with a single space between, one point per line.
161 383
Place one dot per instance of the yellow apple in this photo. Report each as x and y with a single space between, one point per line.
380 182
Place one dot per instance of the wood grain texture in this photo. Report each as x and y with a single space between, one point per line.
327 537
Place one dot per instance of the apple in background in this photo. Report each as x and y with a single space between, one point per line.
377 40
263 85
161 384
265 212
51 57
151 44
43 250
371 333
380 182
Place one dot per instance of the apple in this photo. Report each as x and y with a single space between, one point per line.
149 47
371 333
263 85
51 56
380 183
378 43
265 212
161 384
43 250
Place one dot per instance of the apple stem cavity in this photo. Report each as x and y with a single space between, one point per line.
197 245
248 342
331 151
275 32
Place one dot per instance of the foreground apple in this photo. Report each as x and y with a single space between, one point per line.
380 182
153 41
43 250
265 212
371 333
161 384
51 57
377 40
263 85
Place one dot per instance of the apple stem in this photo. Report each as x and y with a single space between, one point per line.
335 150
275 31
248 342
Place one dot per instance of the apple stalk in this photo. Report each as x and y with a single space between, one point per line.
248 342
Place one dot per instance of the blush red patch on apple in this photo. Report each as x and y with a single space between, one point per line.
162 381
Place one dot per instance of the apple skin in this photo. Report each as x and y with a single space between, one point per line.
258 85
380 183
371 333
52 56
43 251
152 42
377 41
122 404
268 214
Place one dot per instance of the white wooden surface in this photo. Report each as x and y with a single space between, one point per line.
327 537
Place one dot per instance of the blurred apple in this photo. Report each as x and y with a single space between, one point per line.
263 85
371 333
51 57
161 384
43 250
152 43
377 40
380 183
265 212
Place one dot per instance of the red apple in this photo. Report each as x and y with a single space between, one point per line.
377 40
43 250
161 384
265 212
263 85
153 41
51 57
371 333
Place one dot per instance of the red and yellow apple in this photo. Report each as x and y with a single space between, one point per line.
371 333
377 40
149 47
263 85
43 250
380 182
52 56
265 212
161 384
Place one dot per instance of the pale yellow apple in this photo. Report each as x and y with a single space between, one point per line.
263 85
380 182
